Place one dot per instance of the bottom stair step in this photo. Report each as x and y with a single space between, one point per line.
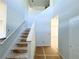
17 56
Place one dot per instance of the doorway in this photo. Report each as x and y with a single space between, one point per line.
54 33
47 52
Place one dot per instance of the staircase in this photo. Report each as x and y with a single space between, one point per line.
21 49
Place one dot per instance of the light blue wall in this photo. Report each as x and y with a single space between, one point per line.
13 20
15 14
66 10
73 38
43 26
16 10
10 41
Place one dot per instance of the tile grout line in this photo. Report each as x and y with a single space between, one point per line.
44 53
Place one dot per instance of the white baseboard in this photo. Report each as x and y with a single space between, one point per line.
61 56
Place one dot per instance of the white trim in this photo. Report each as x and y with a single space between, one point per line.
29 39
61 55
44 53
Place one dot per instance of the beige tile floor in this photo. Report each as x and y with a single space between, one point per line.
46 53
50 52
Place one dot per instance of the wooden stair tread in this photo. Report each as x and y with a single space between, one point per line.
23 40
16 58
22 44
15 55
25 33
20 50
11 53
24 36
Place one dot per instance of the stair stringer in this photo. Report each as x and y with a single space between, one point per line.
18 31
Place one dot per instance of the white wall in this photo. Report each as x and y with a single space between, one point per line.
15 17
43 26
73 38
16 11
31 42
66 10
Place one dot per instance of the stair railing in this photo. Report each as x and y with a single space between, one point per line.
31 42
